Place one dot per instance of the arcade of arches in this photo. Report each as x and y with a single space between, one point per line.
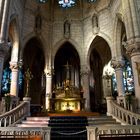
70 59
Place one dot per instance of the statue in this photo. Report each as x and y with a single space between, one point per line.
95 24
67 29
38 21
95 21
28 77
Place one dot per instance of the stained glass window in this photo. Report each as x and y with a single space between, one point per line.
92 0
66 3
6 79
20 80
41 1
128 77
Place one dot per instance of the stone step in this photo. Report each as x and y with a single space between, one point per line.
38 118
102 120
103 123
35 122
31 125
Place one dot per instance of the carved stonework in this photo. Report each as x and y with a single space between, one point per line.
133 49
49 72
117 64
84 71
14 66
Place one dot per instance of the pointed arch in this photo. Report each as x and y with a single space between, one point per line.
59 44
44 45
14 36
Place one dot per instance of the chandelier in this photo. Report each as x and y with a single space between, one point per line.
65 3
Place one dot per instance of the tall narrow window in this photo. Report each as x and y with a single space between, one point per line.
128 77
6 80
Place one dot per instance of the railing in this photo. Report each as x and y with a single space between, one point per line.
121 114
16 115
17 133
93 133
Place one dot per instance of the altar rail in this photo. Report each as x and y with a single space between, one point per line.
94 133
41 133
16 115
121 114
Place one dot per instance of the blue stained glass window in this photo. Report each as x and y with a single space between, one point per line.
20 79
66 3
41 1
128 77
6 79
92 0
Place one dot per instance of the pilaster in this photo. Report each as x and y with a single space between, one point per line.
85 85
48 73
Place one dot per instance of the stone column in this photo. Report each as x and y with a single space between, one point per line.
48 95
85 86
134 50
1 9
4 23
118 66
14 80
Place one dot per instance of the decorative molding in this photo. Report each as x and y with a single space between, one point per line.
84 71
117 64
49 72
133 48
14 65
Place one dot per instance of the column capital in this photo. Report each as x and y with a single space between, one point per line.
49 71
84 71
116 64
15 65
133 47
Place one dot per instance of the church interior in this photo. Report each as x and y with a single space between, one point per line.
70 69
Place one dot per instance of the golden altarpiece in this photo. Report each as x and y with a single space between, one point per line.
67 97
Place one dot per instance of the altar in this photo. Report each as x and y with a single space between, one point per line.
67 98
